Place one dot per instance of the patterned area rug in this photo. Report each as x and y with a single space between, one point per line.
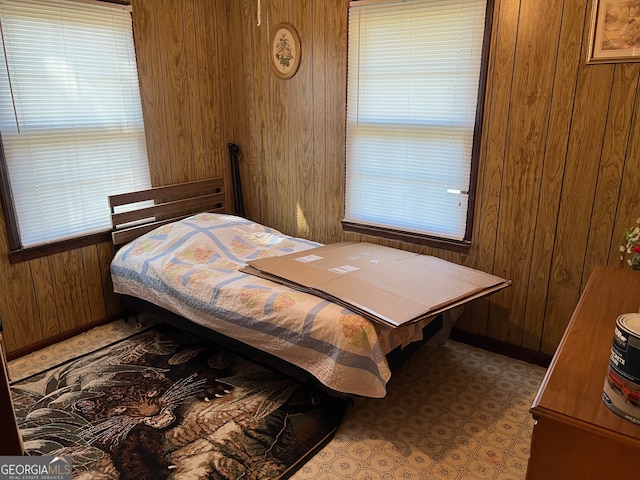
165 404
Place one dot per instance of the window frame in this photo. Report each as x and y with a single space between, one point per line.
17 253
464 245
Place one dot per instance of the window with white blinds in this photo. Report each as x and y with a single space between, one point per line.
70 115
413 80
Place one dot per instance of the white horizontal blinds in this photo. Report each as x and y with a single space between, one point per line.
70 114
413 80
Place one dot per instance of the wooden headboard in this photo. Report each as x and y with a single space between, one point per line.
171 203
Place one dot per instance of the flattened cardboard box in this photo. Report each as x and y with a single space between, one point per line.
384 284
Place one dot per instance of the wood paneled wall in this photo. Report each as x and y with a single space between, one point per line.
44 298
559 174
559 164
182 70
559 180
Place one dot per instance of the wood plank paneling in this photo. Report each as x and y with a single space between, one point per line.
336 81
210 90
179 51
236 124
111 300
568 60
622 104
18 308
172 47
629 195
524 151
231 89
18 303
280 104
262 186
319 89
576 204
93 279
149 59
250 167
302 165
45 297
70 289
192 63
498 100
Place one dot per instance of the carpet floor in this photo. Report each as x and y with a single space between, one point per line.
451 412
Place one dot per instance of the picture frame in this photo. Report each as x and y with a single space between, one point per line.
284 50
615 31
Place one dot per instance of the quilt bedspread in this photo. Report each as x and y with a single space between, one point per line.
191 267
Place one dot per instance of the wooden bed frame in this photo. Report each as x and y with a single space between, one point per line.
170 203
178 201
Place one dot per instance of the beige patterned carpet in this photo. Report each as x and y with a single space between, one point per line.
452 412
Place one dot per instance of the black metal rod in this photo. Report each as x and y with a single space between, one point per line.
234 151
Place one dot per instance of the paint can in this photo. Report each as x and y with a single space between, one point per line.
622 385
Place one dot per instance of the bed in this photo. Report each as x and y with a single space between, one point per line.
190 267
184 268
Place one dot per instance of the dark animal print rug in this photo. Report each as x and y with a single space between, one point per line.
166 404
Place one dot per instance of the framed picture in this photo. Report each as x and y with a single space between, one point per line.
615 31
284 50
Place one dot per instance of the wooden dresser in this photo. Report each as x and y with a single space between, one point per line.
576 435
